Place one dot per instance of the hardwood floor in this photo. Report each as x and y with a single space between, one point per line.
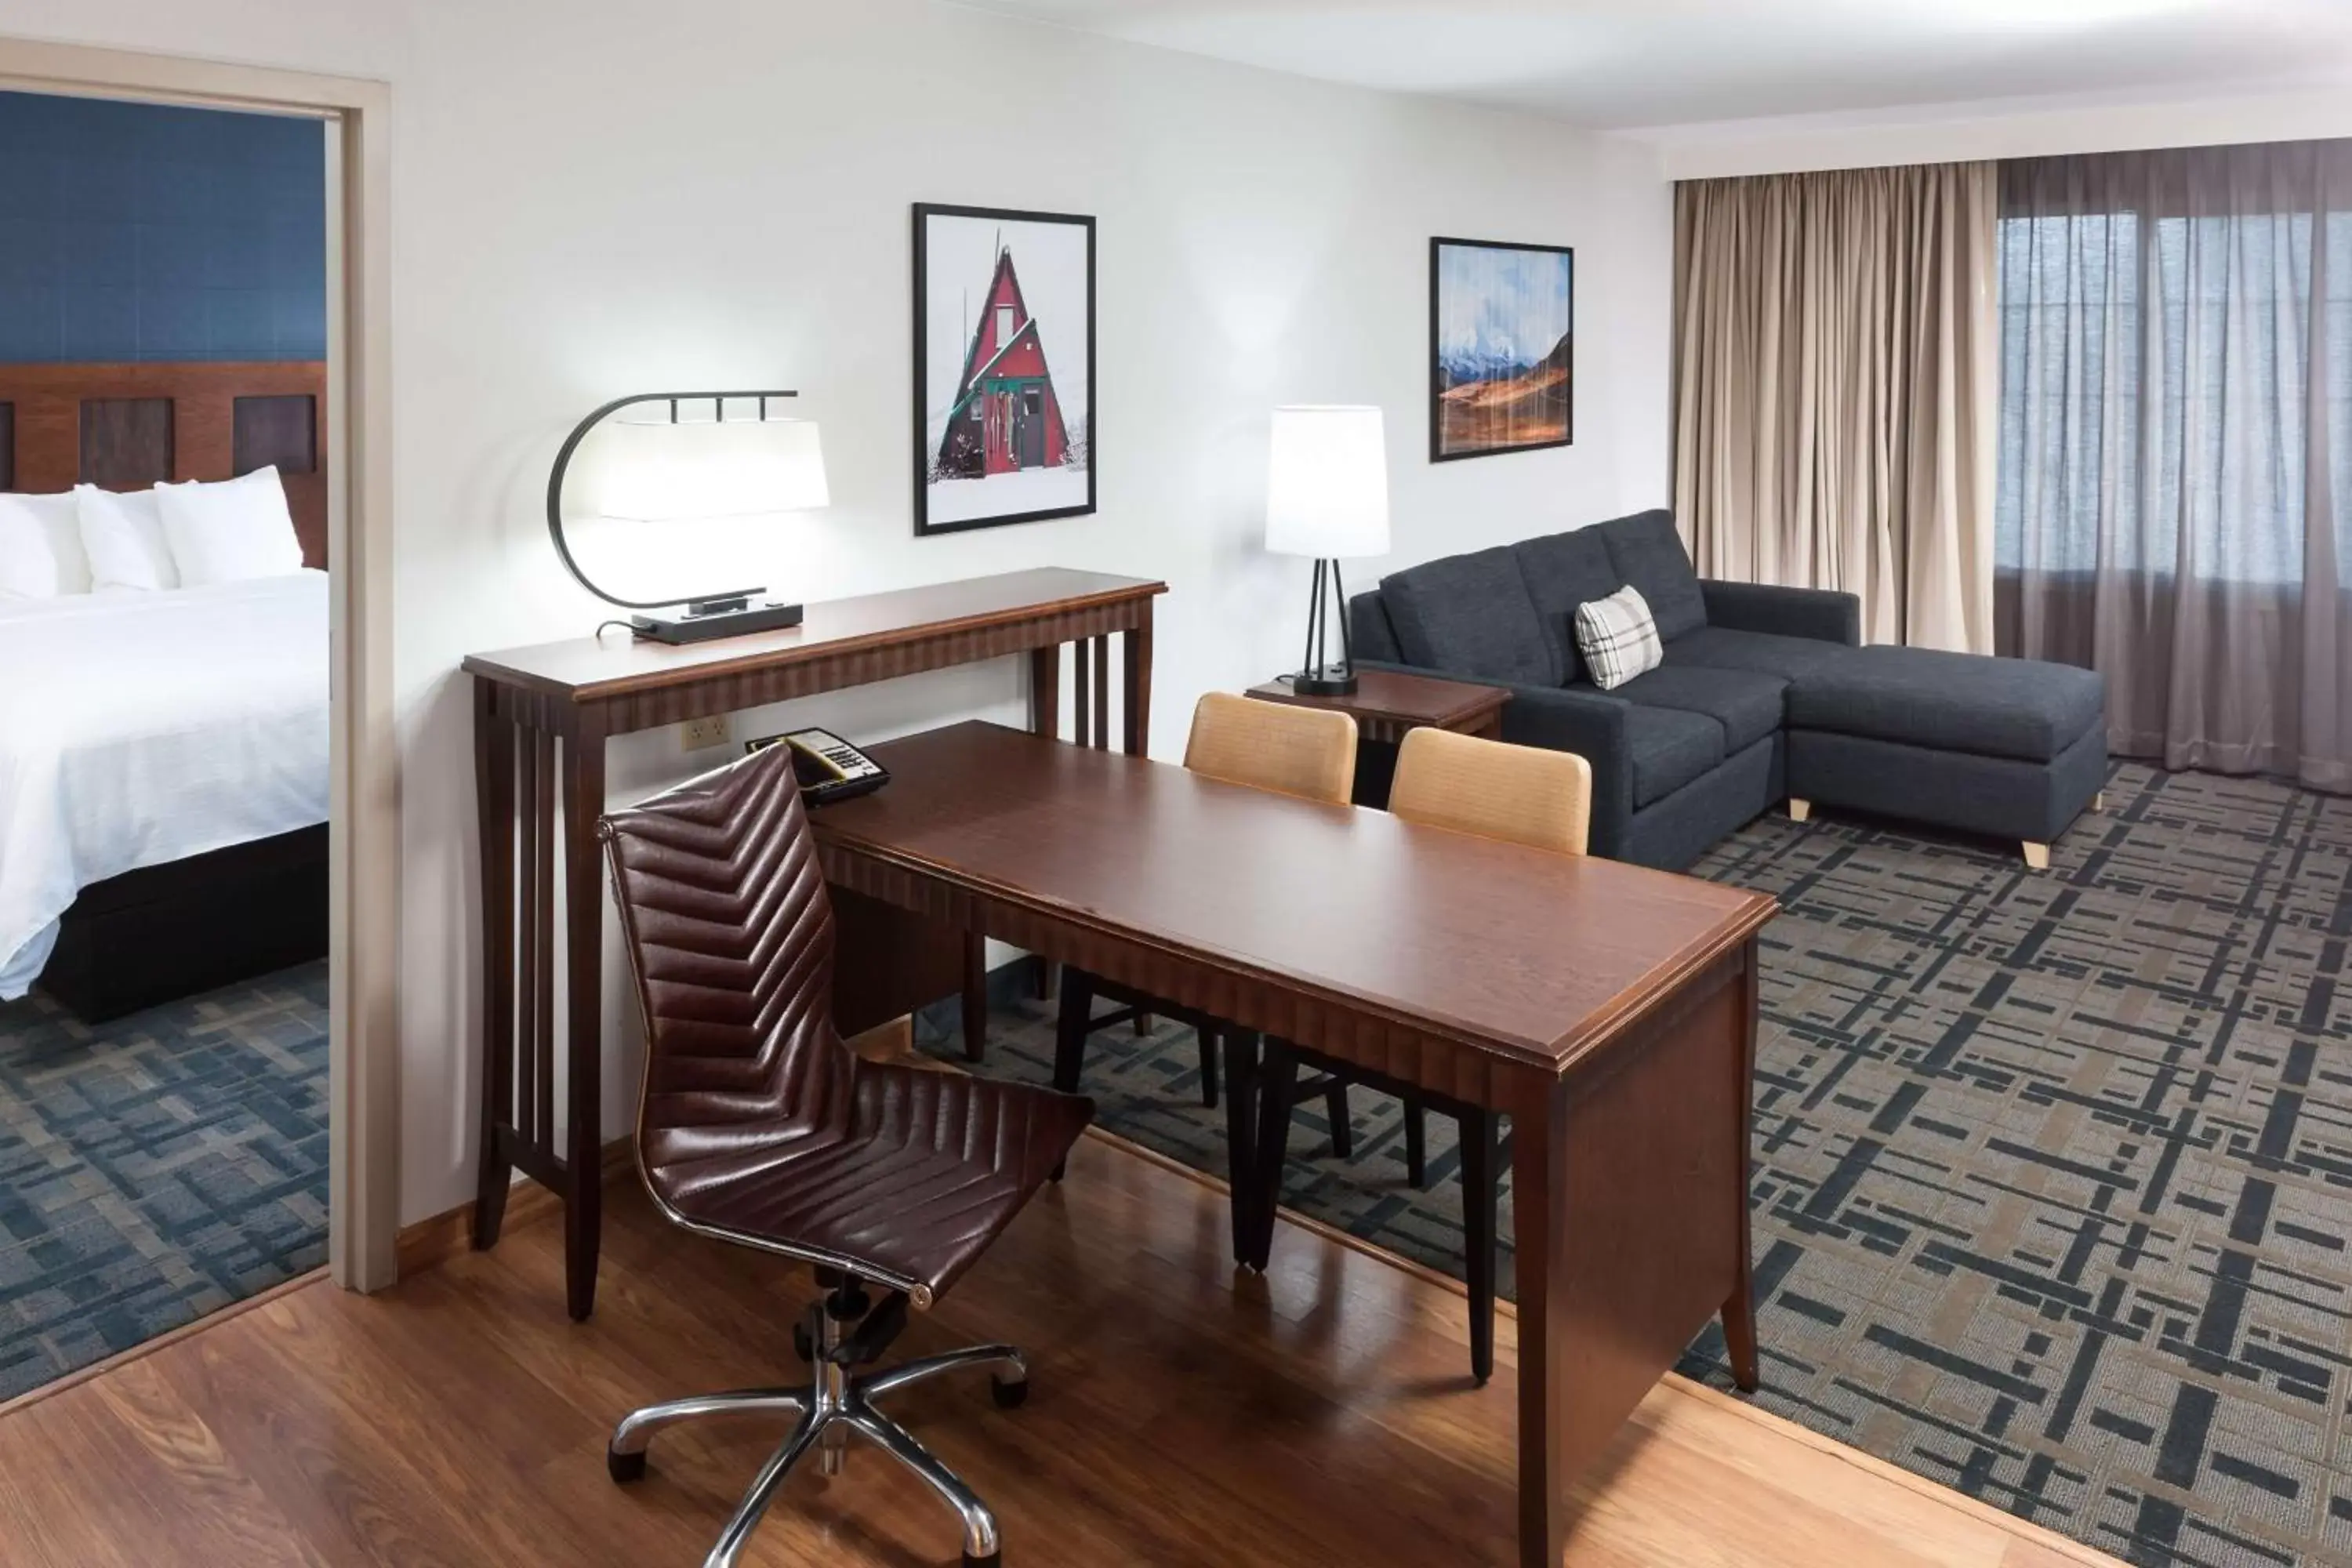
1180 1416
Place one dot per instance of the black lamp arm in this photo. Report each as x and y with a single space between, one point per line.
563 464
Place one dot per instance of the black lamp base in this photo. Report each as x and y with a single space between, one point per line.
1331 680
709 625
1322 677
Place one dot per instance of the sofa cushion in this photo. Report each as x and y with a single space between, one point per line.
1952 701
1748 704
1470 614
1767 653
1649 554
1563 571
1668 748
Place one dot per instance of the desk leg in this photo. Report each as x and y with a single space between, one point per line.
1045 691
1540 1190
583 953
1239 1048
494 792
975 997
1136 702
1739 1311
1044 718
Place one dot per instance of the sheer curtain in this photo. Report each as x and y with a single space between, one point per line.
1836 363
2176 446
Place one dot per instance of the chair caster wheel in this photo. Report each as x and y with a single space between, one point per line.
802 1346
993 1560
1009 1395
626 1467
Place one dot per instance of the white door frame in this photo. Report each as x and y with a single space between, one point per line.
364 1044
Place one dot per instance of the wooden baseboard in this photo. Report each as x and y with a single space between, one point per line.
434 1241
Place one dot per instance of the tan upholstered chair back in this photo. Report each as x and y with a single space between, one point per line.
1309 752
1521 793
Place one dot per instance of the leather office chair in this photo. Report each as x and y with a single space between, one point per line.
1305 751
1542 799
757 1126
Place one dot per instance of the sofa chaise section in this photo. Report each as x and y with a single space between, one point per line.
2010 748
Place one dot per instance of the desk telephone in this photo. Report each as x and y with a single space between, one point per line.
827 767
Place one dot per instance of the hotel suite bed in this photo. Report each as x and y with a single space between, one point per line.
141 728
163 748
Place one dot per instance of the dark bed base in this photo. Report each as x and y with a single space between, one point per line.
171 931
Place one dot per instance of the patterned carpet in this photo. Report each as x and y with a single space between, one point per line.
155 1168
2055 1171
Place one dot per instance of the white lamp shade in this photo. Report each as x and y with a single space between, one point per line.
1326 483
661 472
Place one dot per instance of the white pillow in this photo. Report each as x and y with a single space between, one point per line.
124 535
230 531
41 555
1618 637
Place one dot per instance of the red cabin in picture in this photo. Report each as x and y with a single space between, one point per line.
1005 415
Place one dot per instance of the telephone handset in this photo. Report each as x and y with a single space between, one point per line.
828 767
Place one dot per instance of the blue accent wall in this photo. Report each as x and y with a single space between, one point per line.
133 231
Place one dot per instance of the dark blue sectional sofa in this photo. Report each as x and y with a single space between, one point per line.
1765 695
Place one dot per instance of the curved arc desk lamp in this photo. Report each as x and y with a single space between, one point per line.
733 613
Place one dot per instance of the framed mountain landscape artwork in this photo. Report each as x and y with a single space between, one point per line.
1501 363
1004 367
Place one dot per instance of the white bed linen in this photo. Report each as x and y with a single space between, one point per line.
138 728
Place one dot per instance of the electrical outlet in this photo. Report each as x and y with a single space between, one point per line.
699 735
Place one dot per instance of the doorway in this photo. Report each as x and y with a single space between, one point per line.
150 408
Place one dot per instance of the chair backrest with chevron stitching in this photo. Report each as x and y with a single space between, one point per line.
731 935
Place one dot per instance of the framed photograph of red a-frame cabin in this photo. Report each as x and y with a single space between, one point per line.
1004 367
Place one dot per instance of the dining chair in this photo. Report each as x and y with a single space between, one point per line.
757 1127
1521 795
1310 753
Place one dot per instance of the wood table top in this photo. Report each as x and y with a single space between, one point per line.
586 668
1528 954
1401 699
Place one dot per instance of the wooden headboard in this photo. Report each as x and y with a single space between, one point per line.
126 427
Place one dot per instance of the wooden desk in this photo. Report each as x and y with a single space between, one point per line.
1608 1010
539 710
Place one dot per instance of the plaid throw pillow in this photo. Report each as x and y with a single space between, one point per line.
1618 637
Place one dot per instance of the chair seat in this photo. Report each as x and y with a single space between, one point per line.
921 1171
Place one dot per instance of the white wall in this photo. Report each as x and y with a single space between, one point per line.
2013 128
594 197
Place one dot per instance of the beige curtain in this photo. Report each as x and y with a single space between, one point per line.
1836 400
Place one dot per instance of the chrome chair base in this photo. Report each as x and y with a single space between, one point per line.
837 1402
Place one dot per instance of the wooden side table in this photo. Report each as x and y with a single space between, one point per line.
1387 706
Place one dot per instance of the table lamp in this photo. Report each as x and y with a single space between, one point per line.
1327 496
680 455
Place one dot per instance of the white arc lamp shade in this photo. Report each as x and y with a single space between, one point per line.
665 470
1326 487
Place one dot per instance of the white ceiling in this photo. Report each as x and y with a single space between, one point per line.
1628 63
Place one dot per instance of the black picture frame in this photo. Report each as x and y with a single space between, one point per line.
924 452
1439 382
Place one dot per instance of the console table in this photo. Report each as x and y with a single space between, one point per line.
541 717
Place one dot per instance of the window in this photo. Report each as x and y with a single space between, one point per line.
2157 396
1003 327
